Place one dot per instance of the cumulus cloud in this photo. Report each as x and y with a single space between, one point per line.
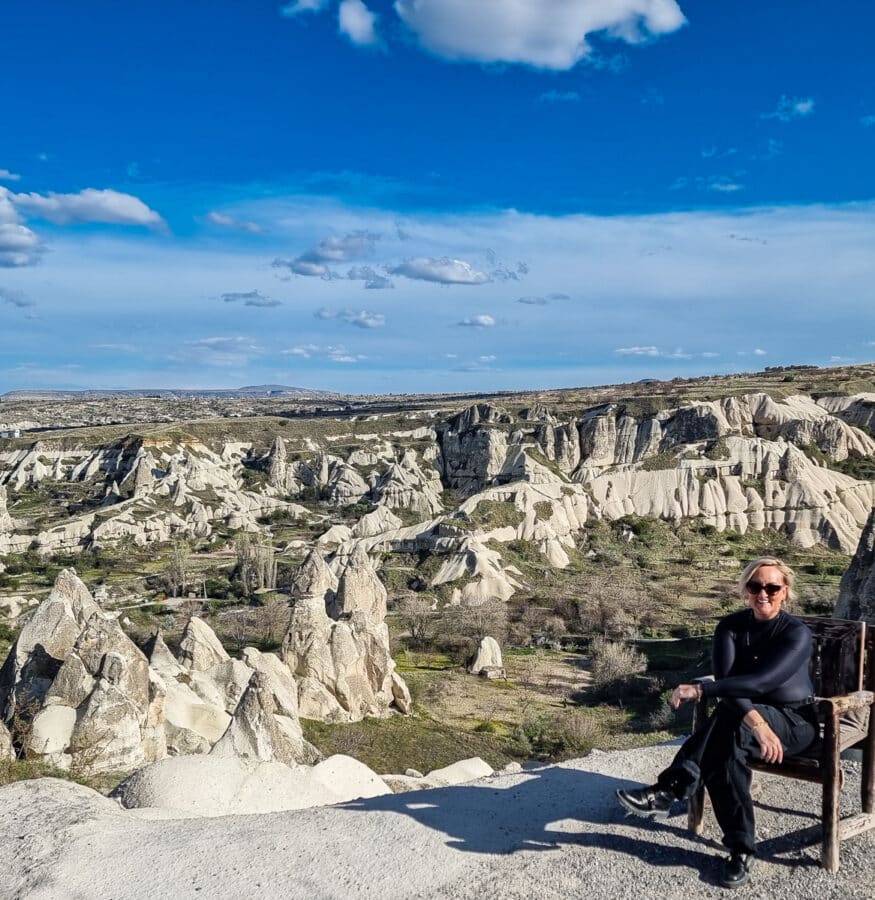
6 175
360 318
480 321
15 298
217 218
296 7
790 108
250 298
314 263
373 280
332 352
357 22
443 270
19 246
548 34
107 206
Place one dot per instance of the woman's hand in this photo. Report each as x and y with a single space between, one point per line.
771 748
685 692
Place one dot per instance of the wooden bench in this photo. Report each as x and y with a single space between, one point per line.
843 672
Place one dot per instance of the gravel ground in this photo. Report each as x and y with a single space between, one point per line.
550 832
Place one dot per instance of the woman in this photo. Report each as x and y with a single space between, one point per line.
761 661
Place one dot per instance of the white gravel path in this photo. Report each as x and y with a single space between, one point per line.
547 833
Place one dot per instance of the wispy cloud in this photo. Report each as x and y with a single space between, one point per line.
443 270
225 221
219 351
360 318
867 121
480 321
655 352
115 348
332 352
250 298
296 7
758 351
372 279
6 175
543 301
790 108
15 298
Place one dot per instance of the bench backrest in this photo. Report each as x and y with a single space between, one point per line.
838 655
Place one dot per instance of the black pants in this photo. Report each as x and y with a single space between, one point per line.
717 756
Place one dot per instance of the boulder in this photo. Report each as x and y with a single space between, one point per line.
460 772
228 785
488 656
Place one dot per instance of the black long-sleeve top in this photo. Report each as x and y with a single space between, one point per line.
760 662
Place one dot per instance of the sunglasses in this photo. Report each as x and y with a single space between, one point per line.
754 587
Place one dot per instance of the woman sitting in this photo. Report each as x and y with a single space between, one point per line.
761 661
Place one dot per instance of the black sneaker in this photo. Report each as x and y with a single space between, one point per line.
651 802
736 869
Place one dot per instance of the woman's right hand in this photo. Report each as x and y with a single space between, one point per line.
771 748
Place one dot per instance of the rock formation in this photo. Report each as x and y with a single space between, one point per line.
857 589
344 669
487 661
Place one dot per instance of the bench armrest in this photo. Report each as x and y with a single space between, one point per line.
831 706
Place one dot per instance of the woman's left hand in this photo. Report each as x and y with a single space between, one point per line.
684 692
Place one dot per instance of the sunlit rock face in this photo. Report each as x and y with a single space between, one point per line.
857 590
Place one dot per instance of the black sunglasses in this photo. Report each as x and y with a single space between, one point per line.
754 587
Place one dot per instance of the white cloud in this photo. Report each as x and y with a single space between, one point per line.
19 246
480 321
791 108
637 351
759 352
357 22
217 218
250 298
296 7
548 34
373 280
6 175
314 263
655 353
360 318
332 352
90 205
487 359
115 348
443 270
723 184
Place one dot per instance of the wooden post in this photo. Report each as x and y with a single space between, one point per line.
832 767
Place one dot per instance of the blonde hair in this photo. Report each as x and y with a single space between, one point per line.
752 567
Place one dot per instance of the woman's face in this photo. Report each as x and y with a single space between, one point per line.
762 596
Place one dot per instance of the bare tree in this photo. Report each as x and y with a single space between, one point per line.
416 613
273 618
256 564
176 576
476 622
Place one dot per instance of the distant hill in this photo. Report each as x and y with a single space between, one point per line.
258 390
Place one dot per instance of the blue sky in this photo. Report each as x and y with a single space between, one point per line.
432 195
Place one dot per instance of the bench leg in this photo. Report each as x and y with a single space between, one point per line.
867 786
832 772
